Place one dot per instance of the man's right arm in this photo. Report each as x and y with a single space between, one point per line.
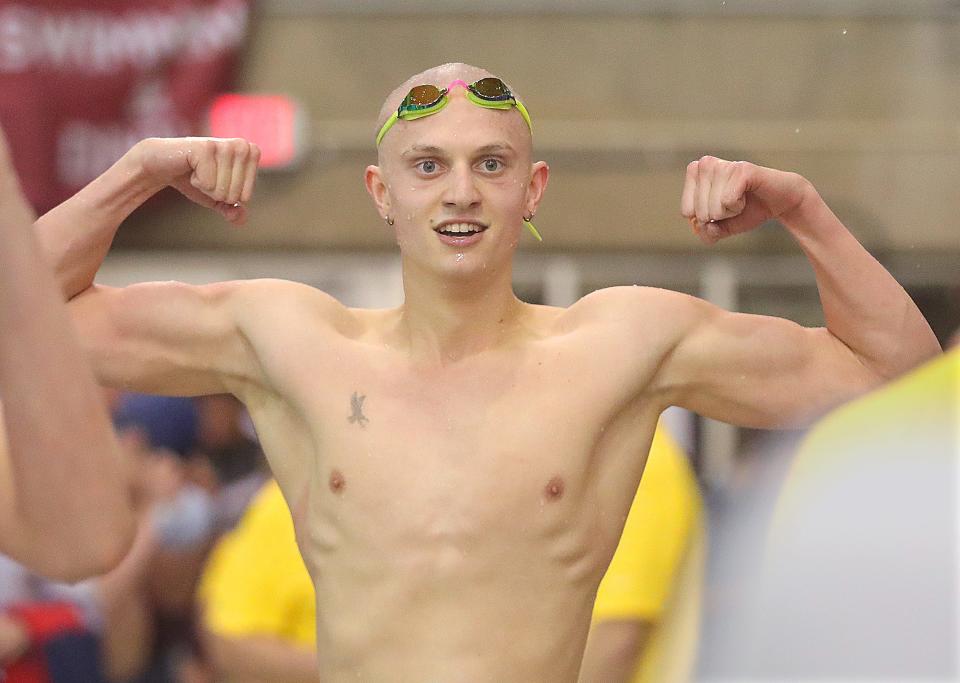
158 337
216 173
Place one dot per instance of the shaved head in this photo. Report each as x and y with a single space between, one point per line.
440 76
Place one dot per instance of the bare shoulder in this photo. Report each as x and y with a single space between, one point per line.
636 308
274 301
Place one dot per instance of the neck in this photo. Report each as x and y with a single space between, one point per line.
447 317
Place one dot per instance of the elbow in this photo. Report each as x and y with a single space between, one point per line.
221 652
93 551
114 545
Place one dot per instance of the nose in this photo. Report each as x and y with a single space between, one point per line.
461 191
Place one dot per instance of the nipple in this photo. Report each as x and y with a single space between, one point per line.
554 489
337 482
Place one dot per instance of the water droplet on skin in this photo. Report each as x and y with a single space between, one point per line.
797 130
844 32
459 257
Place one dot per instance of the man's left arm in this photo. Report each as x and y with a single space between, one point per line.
761 371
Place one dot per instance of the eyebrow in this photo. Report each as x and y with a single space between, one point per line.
433 150
496 148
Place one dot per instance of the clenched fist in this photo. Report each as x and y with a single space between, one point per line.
722 198
218 173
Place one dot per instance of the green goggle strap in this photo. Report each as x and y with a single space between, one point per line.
410 114
533 231
502 104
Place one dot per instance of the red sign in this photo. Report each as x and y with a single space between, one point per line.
274 122
82 81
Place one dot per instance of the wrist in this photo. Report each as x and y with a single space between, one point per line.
806 207
139 177
123 187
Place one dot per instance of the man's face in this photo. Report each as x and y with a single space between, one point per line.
458 184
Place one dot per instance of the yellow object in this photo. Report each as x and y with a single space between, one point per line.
255 582
925 402
533 231
656 572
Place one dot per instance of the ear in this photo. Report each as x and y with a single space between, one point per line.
377 187
537 186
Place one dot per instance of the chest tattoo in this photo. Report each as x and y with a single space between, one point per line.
356 405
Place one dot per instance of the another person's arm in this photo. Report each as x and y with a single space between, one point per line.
262 659
64 508
765 372
613 649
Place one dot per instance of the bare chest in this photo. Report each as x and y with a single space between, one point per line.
458 449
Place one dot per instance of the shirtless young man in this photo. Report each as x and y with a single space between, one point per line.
459 468
64 505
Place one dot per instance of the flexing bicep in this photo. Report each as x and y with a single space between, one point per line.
758 371
167 337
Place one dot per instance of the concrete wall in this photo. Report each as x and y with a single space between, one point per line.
865 106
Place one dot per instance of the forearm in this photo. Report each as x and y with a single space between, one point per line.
70 502
76 235
613 650
259 659
863 305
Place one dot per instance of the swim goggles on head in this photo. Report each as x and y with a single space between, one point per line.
424 100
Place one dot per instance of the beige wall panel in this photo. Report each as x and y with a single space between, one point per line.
866 108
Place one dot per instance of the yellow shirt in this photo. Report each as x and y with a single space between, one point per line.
255 582
656 572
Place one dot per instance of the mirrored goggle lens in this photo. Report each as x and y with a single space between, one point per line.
491 89
422 96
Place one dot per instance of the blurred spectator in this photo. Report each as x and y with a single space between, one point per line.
257 600
49 632
162 433
101 629
200 464
232 463
859 579
82 81
646 615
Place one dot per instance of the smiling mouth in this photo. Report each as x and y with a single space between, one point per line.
460 229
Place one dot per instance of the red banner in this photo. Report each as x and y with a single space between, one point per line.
82 81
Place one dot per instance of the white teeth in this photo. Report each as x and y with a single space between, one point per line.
460 228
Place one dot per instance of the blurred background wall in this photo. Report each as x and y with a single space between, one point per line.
861 97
